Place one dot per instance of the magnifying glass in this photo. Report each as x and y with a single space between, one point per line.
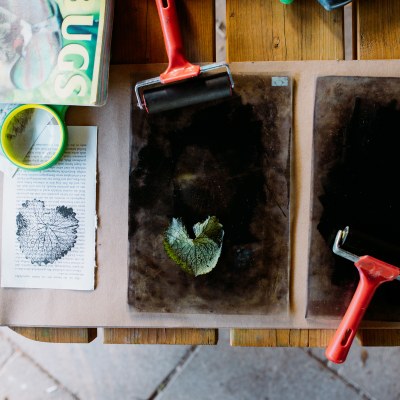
34 136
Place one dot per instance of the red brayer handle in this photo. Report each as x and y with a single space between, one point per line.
178 68
372 272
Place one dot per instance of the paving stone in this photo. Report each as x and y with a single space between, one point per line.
375 370
255 373
21 379
98 371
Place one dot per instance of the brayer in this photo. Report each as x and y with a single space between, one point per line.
373 272
182 83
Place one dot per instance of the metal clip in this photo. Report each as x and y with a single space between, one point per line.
339 240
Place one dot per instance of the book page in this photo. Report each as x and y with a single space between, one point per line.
5 166
49 220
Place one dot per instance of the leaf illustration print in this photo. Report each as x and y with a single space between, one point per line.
45 235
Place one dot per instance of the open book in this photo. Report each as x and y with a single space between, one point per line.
55 51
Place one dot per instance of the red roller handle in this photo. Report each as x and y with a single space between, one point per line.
178 68
373 272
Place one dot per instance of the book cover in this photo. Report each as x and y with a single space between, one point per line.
55 51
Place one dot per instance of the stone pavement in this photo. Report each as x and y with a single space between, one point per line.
31 370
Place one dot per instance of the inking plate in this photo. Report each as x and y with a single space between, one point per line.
229 158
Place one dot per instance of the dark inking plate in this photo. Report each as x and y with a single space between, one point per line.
229 158
356 169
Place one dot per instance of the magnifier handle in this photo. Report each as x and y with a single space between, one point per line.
60 109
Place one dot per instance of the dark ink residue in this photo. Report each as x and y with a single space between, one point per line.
66 212
217 172
360 190
357 172
217 160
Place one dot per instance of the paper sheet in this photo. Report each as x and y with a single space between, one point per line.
5 165
49 220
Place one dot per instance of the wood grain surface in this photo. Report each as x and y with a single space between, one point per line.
181 336
58 335
308 337
379 337
137 36
281 337
377 29
268 30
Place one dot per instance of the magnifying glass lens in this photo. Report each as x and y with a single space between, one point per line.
32 136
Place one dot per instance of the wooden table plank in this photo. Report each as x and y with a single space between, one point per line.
137 36
136 22
161 336
309 337
377 29
281 337
268 30
58 335
379 337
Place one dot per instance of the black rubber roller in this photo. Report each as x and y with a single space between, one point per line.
187 92
362 244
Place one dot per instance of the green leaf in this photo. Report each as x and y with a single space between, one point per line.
196 256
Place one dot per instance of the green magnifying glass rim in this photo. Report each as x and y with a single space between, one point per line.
56 155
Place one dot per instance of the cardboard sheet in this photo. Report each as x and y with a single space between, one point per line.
107 304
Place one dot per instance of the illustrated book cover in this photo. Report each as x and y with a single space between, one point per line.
55 51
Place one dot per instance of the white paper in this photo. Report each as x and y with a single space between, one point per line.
6 166
48 230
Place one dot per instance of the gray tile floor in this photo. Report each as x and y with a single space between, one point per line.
31 370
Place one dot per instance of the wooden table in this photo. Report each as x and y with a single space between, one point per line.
264 30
